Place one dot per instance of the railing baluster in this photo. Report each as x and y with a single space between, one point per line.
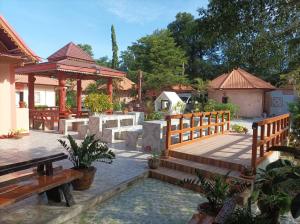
262 138
208 123
168 135
277 131
273 132
228 120
201 125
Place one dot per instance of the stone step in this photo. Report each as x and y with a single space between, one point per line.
189 167
206 160
172 177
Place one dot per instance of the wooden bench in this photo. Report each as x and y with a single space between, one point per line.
54 184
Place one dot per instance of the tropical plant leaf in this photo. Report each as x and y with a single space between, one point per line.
295 206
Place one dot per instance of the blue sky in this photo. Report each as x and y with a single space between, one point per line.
47 25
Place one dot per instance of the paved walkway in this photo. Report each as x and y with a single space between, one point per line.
128 165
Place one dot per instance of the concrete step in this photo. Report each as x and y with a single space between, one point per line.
189 167
206 160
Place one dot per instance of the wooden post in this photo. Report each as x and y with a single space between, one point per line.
192 126
168 135
110 89
216 123
201 124
262 137
209 121
268 135
181 128
273 132
228 120
223 120
62 92
254 147
31 80
79 91
277 131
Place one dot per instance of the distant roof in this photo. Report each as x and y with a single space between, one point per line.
39 80
71 51
12 46
182 88
123 84
239 79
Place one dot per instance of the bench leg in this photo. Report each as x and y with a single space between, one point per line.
54 195
67 194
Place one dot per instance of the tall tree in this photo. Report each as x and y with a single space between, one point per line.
87 48
158 57
115 60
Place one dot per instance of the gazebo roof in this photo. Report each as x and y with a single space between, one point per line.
239 79
71 51
12 47
74 62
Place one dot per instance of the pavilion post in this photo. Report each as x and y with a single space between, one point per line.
110 88
79 92
62 93
31 80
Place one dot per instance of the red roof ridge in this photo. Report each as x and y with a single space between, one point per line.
242 71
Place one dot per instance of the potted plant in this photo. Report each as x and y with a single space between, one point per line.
84 155
22 104
98 103
216 189
248 173
153 160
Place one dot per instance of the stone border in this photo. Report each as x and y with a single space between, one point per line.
79 208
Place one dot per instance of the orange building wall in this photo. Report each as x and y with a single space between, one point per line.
7 98
249 101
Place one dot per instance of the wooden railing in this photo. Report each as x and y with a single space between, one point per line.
267 133
195 126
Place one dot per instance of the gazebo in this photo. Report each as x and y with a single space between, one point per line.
69 62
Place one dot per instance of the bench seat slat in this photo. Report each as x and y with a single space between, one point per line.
36 185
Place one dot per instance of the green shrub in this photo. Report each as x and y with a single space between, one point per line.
239 128
154 116
97 102
213 105
118 106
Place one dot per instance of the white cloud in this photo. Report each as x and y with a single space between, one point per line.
134 11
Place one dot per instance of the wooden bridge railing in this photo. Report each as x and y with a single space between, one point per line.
267 133
196 126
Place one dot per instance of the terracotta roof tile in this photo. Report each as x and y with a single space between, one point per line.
40 80
71 50
239 79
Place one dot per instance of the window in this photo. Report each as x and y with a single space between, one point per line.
37 97
225 99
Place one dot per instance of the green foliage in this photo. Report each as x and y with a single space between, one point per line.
71 99
263 40
89 151
216 189
118 106
239 128
158 57
154 116
115 60
104 61
295 135
97 102
87 48
213 105
244 216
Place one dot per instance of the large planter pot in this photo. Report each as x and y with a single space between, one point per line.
153 163
86 181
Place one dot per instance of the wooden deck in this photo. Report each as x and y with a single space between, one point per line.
232 148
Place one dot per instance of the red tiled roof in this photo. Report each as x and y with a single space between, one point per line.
39 80
73 51
239 79
181 88
14 43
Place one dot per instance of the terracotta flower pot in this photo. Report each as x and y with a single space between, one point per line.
86 181
153 163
